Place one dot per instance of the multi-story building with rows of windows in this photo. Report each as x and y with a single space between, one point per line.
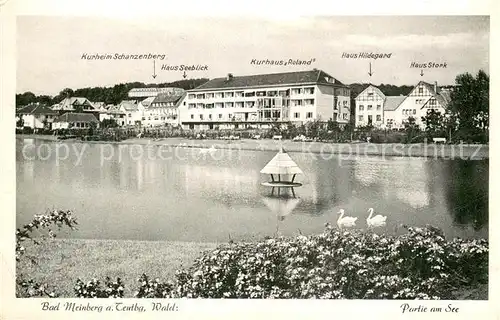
258 101
381 111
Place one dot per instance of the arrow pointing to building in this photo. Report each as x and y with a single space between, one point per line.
154 69
370 72
184 75
421 72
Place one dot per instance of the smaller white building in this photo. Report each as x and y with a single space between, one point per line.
133 112
72 120
36 116
163 110
376 109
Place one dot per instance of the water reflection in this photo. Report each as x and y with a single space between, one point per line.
205 199
467 194
392 179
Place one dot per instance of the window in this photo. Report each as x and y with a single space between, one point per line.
192 117
143 118
420 90
201 117
361 107
379 107
344 115
369 107
296 91
228 94
414 111
370 95
309 102
309 115
296 115
191 96
220 115
210 116
309 90
379 117
360 118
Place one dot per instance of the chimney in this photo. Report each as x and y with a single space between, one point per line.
435 86
229 76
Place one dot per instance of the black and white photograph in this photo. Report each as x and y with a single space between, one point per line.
273 157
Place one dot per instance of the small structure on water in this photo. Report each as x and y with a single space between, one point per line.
280 168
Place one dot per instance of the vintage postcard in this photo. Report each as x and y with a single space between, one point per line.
182 161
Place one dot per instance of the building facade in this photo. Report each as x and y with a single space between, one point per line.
163 109
393 112
72 120
36 116
259 101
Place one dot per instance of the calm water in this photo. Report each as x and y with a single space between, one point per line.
118 194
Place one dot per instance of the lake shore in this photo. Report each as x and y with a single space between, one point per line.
441 151
60 262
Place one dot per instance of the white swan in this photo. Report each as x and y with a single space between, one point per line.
377 221
345 222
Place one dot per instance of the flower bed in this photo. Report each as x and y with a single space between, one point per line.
420 264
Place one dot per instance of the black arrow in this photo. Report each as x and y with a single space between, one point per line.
421 72
370 72
154 69
184 75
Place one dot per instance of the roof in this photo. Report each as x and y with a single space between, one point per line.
271 79
168 98
69 103
152 91
146 102
281 164
377 90
442 97
35 109
129 105
391 103
114 109
76 117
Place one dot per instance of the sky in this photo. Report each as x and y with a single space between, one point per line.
49 48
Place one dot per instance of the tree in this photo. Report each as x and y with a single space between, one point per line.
109 123
470 103
434 123
20 122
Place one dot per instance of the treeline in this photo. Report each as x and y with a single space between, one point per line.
109 95
387 89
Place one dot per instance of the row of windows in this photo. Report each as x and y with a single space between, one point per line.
240 94
369 107
305 102
409 111
378 118
160 118
309 115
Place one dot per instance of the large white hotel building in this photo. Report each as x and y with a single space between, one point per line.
257 101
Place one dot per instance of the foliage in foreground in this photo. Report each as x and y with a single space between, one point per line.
420 264
44 225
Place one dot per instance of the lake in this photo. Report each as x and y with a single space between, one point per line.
150 193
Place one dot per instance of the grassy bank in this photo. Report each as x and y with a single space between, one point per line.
62 261
443 151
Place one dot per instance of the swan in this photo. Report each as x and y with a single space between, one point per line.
345 222
377 221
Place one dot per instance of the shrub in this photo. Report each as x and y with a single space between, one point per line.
420 264
94 288
25 286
